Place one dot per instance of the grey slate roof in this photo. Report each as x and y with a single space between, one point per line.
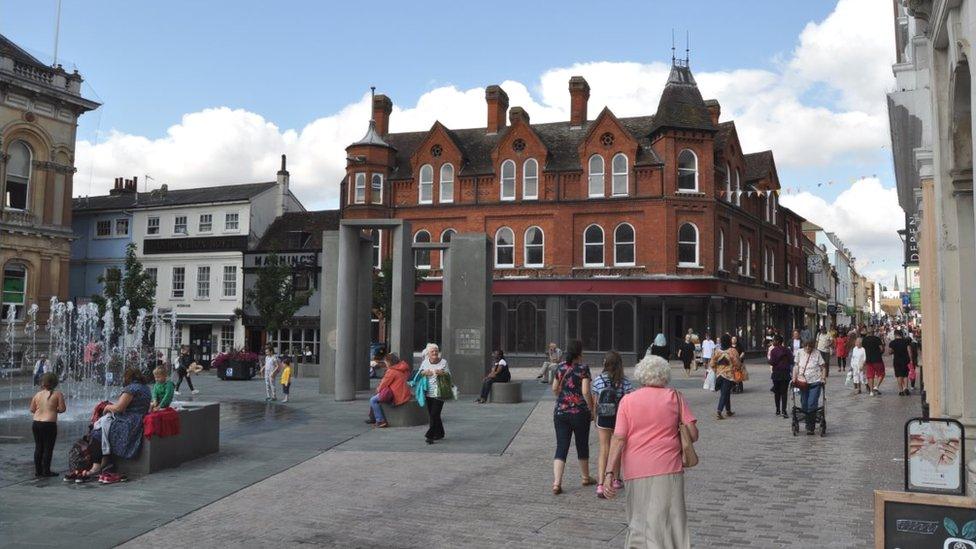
16 52
176 197
681 104
758 165
561 141
276 236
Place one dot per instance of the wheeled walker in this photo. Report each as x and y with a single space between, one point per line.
800 417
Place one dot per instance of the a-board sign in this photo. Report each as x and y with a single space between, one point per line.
905 520
935 456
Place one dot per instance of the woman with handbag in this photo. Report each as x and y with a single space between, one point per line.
727 367
392 388
438 389
652 445
809 374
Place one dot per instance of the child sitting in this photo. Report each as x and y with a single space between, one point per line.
45 407
286 378
162 391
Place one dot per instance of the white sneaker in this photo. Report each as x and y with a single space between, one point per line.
176 393
196 392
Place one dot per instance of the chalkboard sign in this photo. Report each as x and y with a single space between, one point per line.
924 521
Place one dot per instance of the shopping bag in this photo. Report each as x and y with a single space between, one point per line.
911 371
849 382
709 381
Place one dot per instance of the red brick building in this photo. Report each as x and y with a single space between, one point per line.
606 229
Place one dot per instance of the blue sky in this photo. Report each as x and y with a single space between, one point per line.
302 69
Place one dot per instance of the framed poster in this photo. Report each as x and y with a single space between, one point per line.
935 456
923 521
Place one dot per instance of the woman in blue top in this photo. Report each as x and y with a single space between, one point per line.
572 415
125 430
608 388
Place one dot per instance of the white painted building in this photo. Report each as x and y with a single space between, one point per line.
193 242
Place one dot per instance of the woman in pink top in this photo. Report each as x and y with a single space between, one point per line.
647 446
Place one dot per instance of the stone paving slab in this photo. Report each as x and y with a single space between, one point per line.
757 486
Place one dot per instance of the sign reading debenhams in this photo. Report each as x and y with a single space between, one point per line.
194 245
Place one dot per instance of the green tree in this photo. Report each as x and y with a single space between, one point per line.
274 295
130 283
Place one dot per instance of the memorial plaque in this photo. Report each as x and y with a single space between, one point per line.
467 341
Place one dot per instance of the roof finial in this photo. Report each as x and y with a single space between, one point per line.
687 45
672 46
372 98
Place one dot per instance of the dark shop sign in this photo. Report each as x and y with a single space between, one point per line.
201 244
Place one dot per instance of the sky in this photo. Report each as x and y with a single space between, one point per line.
208 93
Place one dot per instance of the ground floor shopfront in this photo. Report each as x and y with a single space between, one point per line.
207 336
620 315
298 341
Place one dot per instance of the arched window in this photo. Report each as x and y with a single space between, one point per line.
447 183
535 247
593 246
18 176
748 258
688 245
426 184
772 266
623 244
728 183
597 173
508 180
687 171
721 249
766 264
446 237
530 179
504 248
767 210
738 188
623 327
742 256
376 187
421 257
775 206
14 289
619 178
359 189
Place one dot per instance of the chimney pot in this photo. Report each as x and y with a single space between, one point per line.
497 101
579 95
518 113
382 107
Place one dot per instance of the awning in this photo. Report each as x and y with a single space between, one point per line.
199 319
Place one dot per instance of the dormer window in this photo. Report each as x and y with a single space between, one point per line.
687 171
530 179
619 179
426 184
508 180
447 183
298 239
596 171
376 188
359 193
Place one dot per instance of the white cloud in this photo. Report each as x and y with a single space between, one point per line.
848 54
866 217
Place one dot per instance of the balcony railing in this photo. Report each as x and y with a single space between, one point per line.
17 217
33 73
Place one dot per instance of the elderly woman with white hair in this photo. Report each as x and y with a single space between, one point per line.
647 446
435 367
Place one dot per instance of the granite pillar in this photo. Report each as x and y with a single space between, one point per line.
364 307
347 314
329 310
467 310
401 306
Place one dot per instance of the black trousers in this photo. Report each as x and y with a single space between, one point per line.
841 362
435 430
570 426
45 434
502 377
183 374
780 390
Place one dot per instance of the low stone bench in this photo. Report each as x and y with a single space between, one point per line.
506 393
199 436
408 414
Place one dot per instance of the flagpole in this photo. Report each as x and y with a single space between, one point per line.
57 32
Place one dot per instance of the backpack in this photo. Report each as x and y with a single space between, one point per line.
80 454
607 401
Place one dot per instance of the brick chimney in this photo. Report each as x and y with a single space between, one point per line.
714 109
281 193
518 113
579 94
497 101
382 107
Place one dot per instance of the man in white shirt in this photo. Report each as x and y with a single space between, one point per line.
708 347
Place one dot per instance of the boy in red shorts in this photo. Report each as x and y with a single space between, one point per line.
873 361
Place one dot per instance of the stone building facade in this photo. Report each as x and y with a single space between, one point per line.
39 110
606 229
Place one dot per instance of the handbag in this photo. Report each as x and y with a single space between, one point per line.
802 385
689 457
709 380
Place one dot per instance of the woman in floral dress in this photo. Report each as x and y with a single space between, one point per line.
572 415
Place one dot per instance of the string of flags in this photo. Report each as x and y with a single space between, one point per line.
787 190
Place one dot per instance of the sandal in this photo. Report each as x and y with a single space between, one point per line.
588 481
556 489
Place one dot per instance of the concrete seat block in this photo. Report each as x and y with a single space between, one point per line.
199 436
506 393
408 414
